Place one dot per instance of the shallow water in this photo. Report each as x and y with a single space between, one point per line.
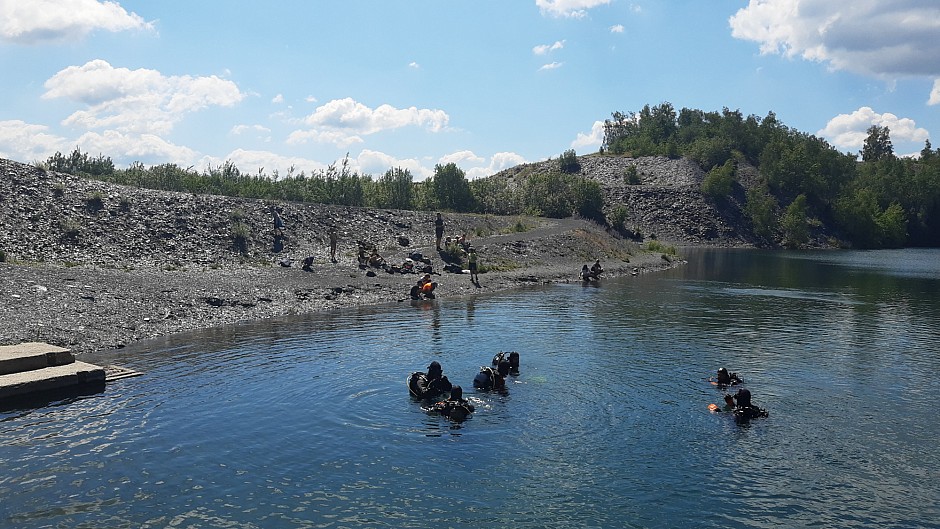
307 422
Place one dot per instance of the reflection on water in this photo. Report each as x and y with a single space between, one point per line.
306 422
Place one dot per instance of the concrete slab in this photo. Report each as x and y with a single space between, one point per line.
50 378
29 356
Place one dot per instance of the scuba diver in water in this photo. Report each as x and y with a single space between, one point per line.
744 409
429 385
729 405
495 379
725 378
456 408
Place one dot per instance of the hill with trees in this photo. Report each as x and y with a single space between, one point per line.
687 176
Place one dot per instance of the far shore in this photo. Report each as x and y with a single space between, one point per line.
94 308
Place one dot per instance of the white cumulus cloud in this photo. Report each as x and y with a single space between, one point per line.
848 131
335 137
542 49
935 94
27 142
592 139
376 163
496 163
344 121
146 148
461 158
251 161
568 8
870 37
617 28
142 100
240 129
38 21
551 66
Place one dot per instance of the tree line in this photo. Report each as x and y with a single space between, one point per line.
874 199
559 193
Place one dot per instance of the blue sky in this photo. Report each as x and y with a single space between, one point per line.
486 84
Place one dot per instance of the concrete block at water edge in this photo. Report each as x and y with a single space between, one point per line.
30 356
70 375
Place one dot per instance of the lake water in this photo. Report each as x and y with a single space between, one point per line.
307 422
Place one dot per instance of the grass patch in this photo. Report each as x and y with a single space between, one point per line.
665 249
240 237
498 266
518 227
481 231
94 202
69 227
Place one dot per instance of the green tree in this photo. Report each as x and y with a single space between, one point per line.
549 194
718 182
892 227
877 144
857 213
493 195
568 162
927 152
395 189
589 199
795 223
760 208
450 188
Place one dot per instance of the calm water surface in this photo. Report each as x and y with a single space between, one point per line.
308 423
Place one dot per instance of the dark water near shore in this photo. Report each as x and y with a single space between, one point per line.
307 422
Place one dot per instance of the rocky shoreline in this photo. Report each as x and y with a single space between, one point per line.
93 266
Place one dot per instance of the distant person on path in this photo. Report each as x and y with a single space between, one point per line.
472 259
278 222
439 230
334 238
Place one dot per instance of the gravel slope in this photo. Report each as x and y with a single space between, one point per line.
151 263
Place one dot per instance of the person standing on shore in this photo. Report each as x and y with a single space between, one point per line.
439 230
278 222
472 260
334 238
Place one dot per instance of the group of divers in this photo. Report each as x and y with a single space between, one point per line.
739 404
434 385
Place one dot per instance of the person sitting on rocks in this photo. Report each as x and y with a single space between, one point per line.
423 289
376 260
586 274
597 269
456 408
427 286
